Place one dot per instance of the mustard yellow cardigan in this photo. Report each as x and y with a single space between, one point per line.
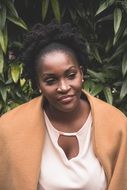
21 144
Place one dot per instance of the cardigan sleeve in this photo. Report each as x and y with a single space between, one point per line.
4 167
119 176
110 142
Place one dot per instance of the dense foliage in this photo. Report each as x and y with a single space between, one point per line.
104 27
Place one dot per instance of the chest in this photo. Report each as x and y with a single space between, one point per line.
72 160
70 145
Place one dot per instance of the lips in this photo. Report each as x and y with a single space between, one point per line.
65 99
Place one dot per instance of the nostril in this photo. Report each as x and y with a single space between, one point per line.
63 90
63 86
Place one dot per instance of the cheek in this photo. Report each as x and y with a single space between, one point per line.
78 82
47 91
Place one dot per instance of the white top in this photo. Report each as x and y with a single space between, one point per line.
82 172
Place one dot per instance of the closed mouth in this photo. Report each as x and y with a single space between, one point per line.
65 99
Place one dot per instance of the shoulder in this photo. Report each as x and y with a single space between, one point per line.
106 112
21 112
109 126
102 106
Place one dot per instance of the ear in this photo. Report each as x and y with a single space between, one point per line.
39 88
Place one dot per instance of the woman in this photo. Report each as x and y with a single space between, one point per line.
65 138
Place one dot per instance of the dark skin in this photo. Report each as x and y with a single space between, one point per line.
60 80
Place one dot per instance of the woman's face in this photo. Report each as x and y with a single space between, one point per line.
60 80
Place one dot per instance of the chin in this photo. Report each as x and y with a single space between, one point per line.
68 108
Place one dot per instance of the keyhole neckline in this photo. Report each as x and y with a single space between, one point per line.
85 125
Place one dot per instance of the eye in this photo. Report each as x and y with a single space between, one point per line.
50 81
72 75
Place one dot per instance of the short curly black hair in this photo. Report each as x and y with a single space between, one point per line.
42 39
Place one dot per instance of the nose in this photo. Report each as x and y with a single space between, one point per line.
63 86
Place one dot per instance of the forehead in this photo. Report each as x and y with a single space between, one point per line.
57 60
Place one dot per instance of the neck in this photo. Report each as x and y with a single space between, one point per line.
57 115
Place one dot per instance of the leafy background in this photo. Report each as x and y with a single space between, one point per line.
104 27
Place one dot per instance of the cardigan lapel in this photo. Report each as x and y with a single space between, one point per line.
24 144
109 138
100 132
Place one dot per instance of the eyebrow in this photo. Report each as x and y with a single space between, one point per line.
52 74
48 75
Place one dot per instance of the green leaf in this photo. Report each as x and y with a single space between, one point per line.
124 64
117 19
11 9
87 85
15 72
18 21
1 61
118 51
22 82
104 6
5 38
3 92
108 45
56 9
120 32
123 91
105 18
2 17
92 87
73 14
122 46
97 89
2 42
79 11
45 4
12 106
99 76
12 15
96 54
108 94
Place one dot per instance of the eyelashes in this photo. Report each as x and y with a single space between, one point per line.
71 75
54 80
50 81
